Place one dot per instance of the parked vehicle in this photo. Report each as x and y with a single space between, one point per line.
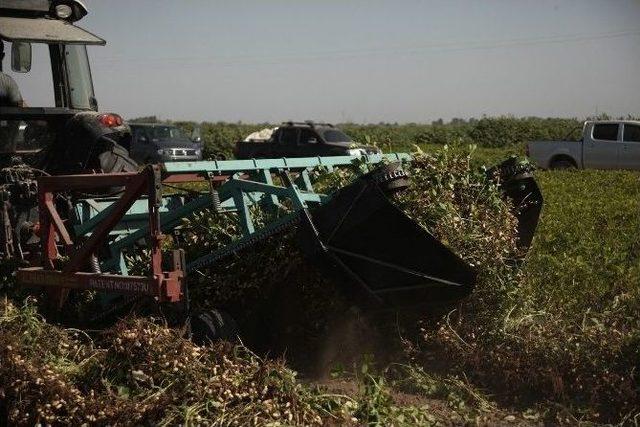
157 142
306 139
604 145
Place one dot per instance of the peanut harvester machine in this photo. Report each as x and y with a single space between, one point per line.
356 233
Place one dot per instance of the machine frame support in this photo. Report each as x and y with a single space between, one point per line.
59 277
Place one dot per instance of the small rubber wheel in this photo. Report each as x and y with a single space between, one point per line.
212 326
4 414
391 178
562 164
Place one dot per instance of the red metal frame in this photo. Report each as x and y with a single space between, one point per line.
166 286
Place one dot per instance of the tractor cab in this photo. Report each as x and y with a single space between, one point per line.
54 123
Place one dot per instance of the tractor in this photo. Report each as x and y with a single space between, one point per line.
69 136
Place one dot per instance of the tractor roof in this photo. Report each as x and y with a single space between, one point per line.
45 31
38 21
33 7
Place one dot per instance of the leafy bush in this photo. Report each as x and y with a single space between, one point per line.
508 131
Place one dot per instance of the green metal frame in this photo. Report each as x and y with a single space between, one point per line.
245 184
297 163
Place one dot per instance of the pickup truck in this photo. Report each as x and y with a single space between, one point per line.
306 139
604 145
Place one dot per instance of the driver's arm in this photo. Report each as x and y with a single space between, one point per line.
15 97
12 96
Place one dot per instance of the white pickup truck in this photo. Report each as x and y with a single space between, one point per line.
604 145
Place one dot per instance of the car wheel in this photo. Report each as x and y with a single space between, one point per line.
562 164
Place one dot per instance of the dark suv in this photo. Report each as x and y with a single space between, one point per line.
307 139
156 142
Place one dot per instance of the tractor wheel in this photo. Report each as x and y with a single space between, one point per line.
562 164
211 326
116 159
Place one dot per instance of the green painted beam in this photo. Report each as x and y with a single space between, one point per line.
235 166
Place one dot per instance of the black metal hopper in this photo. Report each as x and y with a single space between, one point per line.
372 243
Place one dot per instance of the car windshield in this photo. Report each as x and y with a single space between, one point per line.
166 132
334 135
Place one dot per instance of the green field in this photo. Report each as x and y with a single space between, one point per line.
569 331
572 331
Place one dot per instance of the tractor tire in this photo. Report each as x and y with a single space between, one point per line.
562 164
212 326
116 159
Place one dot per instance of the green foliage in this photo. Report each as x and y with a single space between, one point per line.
500 132
467 402
444 135
587 251
376 406
488 132
568 328
222 137
461 207
508 131
385 136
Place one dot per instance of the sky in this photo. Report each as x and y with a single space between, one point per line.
365 61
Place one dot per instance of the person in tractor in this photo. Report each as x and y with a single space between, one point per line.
9 92
10 96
